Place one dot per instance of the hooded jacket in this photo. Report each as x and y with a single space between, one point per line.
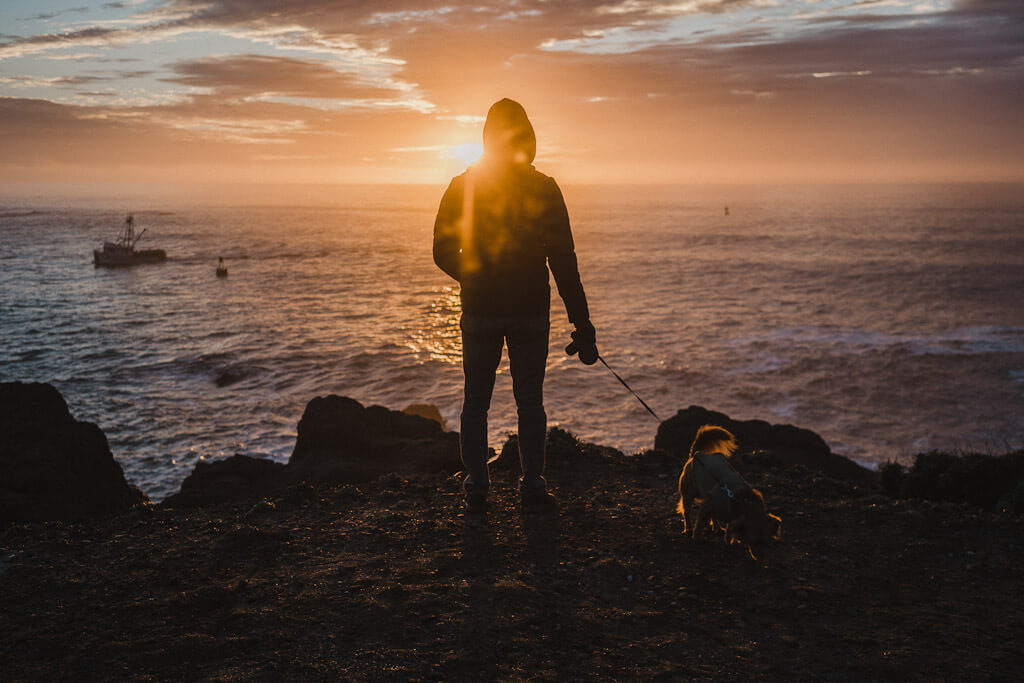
502 224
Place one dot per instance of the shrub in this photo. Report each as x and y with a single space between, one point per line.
985 481
893 475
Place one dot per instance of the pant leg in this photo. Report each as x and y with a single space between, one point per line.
528 355
481 353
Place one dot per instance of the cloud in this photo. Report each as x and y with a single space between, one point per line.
24 46
1001 7
246 19
54 81
768 74
76 56
654 8
248 75
876 46
889 51
403 16
465 119
53 15
372 74
236 130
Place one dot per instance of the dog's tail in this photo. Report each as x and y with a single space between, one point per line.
713 439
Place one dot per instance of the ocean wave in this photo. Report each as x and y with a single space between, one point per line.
21 214
963 340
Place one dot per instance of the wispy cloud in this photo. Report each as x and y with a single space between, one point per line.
247 75
46 16
38 82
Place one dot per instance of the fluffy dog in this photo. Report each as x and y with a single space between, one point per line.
726 500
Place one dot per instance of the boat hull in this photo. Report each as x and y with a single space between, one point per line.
119 256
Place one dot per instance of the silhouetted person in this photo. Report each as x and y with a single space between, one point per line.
500 226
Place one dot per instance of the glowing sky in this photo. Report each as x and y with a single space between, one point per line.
619 90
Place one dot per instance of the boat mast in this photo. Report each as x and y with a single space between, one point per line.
129 232
139 237
130 238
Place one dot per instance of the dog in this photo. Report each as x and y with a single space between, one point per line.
726 500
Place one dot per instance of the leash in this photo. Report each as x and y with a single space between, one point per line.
629 389
725 487
730 494
637 396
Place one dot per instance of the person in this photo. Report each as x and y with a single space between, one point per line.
500 226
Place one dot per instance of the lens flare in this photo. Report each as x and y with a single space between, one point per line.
466 154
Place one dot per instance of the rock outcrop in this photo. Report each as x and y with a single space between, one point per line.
563 452
340 441
53 467
427 410
787 444
238 478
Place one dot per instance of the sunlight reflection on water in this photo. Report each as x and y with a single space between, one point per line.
439 338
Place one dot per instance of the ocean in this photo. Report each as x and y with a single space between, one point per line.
889 319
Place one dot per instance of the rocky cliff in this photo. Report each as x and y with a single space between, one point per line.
51 465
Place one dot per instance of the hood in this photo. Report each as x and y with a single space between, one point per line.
508 134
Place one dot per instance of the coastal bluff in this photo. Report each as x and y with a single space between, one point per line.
387 578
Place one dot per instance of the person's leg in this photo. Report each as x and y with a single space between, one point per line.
528 354
481 353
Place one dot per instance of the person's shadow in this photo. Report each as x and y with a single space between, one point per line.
543 535
479 555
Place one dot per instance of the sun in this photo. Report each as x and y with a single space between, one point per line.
466 154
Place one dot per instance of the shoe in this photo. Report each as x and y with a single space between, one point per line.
537 500
476 502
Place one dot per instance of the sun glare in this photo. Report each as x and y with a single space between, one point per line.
467 153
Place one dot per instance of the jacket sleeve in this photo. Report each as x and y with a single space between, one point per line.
447 235
561 253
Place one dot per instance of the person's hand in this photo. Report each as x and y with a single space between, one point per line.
584 342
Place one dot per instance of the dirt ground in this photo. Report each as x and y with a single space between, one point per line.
391 580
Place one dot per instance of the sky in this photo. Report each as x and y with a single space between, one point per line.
619 91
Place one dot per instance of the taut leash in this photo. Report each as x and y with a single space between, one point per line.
629 389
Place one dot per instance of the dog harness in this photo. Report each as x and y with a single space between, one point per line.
718 483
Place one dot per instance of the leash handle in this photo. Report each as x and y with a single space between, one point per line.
628 388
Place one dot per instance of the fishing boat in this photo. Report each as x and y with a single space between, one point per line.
123 251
